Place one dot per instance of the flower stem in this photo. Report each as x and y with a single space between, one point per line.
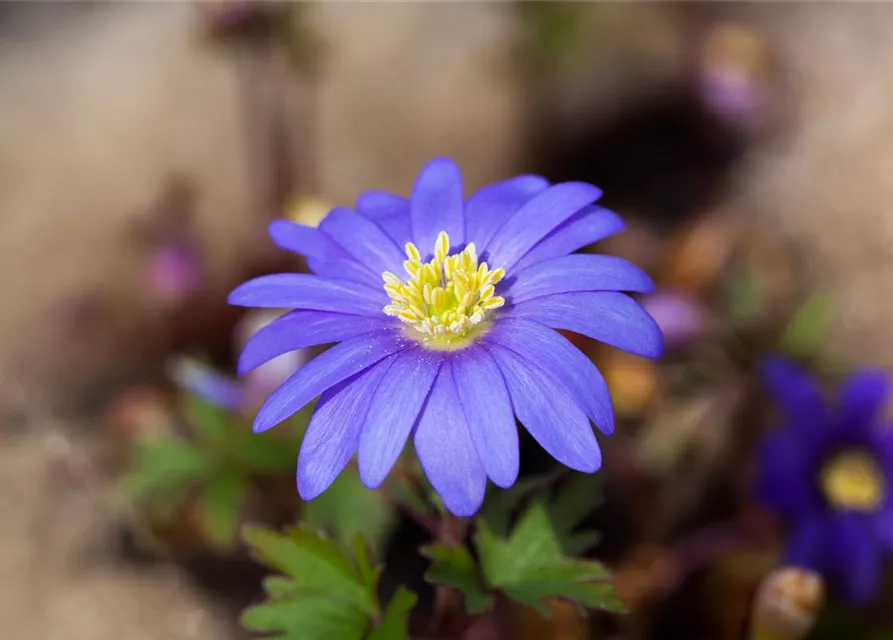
448 601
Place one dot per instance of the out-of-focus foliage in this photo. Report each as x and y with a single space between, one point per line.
807 329
215 466
348 508
555 29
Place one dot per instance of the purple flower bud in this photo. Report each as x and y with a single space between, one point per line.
206 383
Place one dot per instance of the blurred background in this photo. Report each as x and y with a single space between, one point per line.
145 147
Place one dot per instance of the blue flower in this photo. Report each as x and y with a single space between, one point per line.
444 312
829 471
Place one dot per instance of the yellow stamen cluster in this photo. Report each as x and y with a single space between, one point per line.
852 480
445 297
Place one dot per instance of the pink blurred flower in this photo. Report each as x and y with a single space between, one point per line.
680 318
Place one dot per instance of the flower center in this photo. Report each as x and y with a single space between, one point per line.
852 480
446 298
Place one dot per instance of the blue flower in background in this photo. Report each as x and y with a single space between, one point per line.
444 312
829 472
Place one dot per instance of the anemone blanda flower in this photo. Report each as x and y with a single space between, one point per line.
829 471
444 312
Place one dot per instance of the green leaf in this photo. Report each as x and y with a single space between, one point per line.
348 508
575 544
530 565
325 594
211 423
394 624
263 452
165 468
498 506
368 574
585 582
279 587
454 567
308 617
532 544
404 492
807 329
316 565
575 500
221 506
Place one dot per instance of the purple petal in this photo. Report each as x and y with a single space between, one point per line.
795 392
446 451
334 430
533 221
437 205
393 412
305 291
490 207
302 328
807 545
884 524
857 557
863 398
548 412
338 363
348 269
612 318
880 441
580 272
390 212
784 478
381 204
363 240
307 241
580 230
488 412
562 361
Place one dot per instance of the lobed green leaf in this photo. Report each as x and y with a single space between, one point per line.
454 567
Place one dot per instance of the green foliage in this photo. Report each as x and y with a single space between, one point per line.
221 506
454 567
348 508
323 591
394 623
530 565
745 297
216 466
499 506
572 503
164 467
534 560
807 329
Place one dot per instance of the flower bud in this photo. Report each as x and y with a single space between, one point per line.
787 603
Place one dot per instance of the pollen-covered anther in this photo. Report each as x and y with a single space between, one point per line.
447 296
